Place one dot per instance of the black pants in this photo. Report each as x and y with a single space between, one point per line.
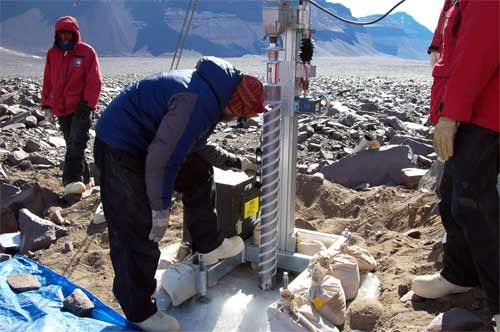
128 214
75 128
469 210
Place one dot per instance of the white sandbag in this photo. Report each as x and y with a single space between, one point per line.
366 262
310 247
345 268
326 295
280 321
179 281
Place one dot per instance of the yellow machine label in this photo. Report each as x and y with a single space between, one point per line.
318 303
251 208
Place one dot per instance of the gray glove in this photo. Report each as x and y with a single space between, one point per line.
160 224
47 114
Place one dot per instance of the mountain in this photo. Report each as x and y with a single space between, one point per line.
399 35
227 28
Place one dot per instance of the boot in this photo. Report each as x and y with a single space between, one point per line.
434 286
160 322
75 188
228 248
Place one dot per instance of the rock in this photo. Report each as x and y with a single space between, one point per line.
68 246
395 123
424 162
363 314
313 168
32 146
314 147
369 107
34 198
37 159
16 157
37 233
23 282
318 178
24 165
14 126
58 142
44 124
8 222
414 233
375 167
9 98
404 288
30 121
78 303
3 109
4 257
302 137
55 215
419 146
412 176
456 319
7 191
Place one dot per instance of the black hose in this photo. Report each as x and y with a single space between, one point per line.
315 4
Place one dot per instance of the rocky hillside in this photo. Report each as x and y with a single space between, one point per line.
225 28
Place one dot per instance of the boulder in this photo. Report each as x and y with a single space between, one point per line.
34 198
30 121
78 303
37 159
37 233
56 141
373 167
32 146
395 123
17 156
7 191
419 146
23 282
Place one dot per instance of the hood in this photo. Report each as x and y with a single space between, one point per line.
68 23
221 76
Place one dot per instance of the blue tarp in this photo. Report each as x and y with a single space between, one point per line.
40 310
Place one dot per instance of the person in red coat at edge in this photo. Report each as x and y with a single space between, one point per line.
71 87
465 112
434 50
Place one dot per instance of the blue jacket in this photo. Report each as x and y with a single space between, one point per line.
164 116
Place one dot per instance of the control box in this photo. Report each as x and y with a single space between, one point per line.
238 203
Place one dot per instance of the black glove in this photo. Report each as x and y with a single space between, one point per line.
83 108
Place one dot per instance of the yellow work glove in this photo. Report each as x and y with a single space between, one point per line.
444 136
434 57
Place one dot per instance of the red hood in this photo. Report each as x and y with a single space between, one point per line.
68 23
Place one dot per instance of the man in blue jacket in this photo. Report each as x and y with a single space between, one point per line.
152 140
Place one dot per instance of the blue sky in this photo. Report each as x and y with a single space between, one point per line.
424 11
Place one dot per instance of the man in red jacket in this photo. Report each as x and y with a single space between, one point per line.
71 87
465 109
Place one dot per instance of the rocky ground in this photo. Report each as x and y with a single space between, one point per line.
398 224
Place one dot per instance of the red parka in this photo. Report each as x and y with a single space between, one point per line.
466 77
437 39
70 76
